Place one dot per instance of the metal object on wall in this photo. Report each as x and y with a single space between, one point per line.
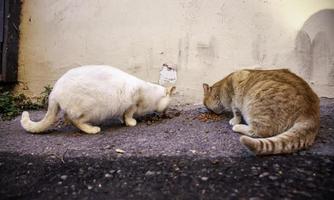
168 75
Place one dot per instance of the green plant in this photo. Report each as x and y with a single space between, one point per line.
23 102
12 105
44 99
8 108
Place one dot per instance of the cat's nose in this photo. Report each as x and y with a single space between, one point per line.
218 111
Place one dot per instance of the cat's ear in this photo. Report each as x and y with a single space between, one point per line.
170 90
206 88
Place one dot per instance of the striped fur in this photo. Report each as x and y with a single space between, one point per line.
280 109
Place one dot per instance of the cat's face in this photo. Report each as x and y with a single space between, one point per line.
164 101
212 99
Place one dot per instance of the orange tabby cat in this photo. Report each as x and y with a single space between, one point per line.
281 110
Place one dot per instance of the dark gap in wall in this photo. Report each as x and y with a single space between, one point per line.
10 40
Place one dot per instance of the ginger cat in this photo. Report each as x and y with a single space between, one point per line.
281 110
91 94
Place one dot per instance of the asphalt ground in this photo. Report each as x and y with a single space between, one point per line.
187 154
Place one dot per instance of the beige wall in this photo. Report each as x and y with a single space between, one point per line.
204 40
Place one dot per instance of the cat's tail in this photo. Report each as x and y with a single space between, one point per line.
300 136
48 120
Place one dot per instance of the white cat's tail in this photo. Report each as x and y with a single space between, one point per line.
48 120
300 136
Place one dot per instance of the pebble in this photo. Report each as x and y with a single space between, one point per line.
254 198
121 151
264 174
204 178
214 162
193 151
160 163
273 178
149 173
63 177
89 187
107 175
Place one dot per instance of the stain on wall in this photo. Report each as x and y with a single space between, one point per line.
183 52
259 50
314 50
303 53
206 52
331 74
321 58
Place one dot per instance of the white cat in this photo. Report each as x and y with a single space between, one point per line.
91 94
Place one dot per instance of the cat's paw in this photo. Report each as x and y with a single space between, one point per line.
243 129
239 128
93 130
234 121
130 122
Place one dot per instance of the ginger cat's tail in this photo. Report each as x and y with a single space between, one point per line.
48 120
300 136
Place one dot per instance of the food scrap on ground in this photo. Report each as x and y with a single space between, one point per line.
209 116
154 117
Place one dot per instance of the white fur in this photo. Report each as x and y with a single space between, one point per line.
91 94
